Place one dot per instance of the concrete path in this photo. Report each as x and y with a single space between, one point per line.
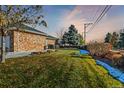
17 54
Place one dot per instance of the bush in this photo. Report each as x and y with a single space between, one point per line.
99 49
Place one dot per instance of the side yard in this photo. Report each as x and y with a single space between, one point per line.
56 69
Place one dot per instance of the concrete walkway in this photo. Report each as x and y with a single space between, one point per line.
17 54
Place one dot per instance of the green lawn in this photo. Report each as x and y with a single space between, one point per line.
57 69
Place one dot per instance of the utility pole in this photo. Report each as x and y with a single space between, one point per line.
85 27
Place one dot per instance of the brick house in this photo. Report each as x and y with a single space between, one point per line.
27 39
51 41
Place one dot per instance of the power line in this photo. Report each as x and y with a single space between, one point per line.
95 15
98 18
105 10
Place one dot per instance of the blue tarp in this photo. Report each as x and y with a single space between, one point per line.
84 52
121 78
116 73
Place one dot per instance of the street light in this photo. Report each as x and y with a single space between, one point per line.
85 26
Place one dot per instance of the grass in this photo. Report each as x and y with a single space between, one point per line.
57 69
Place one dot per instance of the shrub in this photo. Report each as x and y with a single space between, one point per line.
99 49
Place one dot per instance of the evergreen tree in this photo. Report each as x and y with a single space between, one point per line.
114 39
71 37
108 37
65 38
121 39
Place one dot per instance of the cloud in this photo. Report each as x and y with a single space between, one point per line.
80 15
83 14
113 24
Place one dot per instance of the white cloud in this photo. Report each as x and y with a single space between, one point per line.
81 14
108 25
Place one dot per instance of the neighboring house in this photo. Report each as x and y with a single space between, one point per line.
27 39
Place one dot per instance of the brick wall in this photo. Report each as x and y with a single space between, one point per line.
50 42
25 41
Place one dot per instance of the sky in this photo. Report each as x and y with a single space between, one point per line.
62 16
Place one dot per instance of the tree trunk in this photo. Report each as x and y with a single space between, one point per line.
2 47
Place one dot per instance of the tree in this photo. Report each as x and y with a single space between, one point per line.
15 15
60 33
108 37
114 39
71 37
65 38
121 39
81 41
